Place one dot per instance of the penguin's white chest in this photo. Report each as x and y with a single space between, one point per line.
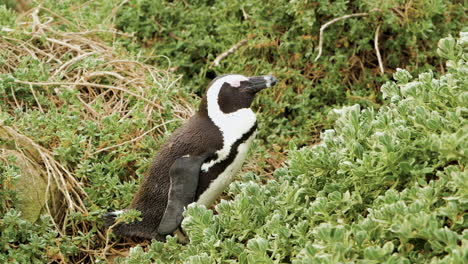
223 180
233 126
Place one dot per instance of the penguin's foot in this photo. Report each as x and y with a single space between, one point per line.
181 237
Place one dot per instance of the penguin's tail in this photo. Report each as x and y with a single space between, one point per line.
134 229
109 218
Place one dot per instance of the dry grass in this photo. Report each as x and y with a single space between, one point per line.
57 175
113 80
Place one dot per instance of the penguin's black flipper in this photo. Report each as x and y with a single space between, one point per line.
184 175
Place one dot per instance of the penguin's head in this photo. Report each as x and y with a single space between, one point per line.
233 92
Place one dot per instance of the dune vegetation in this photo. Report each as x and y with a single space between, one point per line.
361 151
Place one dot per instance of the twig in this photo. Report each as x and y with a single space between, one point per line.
146 67
104 73
82 5
162 118
106 246
37 25
324 26
245 14
70 62
124 34
68 22
90 109
116 9
377 51
93 85
14 97
133 139
63 43
6 29
22 43
229 51
35 98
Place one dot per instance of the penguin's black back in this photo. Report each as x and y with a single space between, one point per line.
196 136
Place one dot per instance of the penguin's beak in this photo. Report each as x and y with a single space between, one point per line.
258 83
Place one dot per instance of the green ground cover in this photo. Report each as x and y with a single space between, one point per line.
351 164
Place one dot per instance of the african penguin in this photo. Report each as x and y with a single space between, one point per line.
199 160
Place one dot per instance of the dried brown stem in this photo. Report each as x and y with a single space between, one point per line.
229 51
106 245
35 98
70 62
63 43
377 51
92 85
133 139
324 26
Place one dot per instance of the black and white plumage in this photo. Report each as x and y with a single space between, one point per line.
199 160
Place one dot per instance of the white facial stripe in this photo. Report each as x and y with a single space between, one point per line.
235 83
232 125
233 79
268 81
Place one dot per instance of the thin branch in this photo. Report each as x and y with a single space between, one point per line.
90 109
23 44
63 43
35 98
37 25
104 73
133 139
92 85
377 51
245 14
68 22
70 62
114 11
324 26
107 246
229 51
14 98
124 34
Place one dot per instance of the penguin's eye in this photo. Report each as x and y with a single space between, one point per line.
232 98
